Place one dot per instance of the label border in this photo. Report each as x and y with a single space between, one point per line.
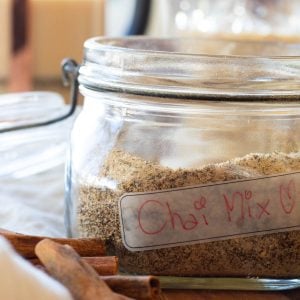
215 238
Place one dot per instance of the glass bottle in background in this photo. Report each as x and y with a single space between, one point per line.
254 19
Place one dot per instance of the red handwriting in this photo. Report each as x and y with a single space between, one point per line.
244 198
242 205
245 205
263 208
200 203
163 214
159 228
288 196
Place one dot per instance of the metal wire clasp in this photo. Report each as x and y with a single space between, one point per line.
70 70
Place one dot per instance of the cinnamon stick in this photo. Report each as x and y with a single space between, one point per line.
24 244
137 287
64 264
103 265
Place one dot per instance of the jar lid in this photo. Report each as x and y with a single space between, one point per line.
197 68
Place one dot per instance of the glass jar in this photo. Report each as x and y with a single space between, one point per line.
32 162
185 158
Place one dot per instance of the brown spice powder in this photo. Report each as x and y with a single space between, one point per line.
270 255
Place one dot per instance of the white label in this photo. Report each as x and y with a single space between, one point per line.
211 212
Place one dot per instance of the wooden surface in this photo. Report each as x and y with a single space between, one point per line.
230 295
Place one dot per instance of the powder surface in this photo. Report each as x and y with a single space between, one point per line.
270 255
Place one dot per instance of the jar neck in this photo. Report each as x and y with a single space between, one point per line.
167 108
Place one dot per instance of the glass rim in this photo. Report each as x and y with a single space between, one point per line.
99 42
172 67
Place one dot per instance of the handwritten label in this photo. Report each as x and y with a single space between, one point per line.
211 212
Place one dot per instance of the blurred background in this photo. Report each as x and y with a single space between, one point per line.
37 34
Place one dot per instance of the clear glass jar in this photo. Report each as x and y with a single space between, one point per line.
185 157
32 162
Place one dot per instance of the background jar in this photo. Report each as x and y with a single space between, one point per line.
247 19
163 114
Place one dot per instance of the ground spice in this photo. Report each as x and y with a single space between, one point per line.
275 255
